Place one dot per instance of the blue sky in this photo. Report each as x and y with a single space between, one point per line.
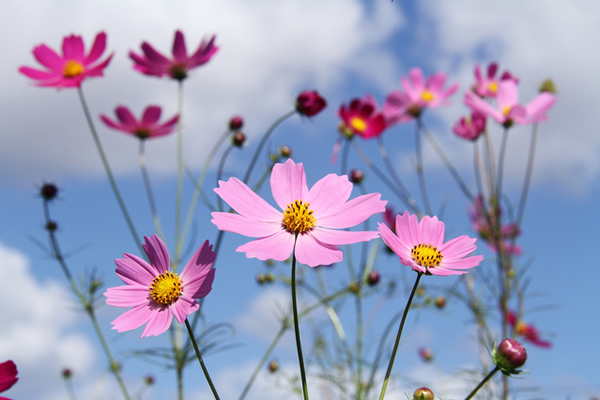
270 51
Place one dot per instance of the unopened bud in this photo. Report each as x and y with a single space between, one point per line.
260 279
149 380
354 288
440 302
509 356
238 139
426 354
51 226
273 366
48 191
236 123
356 176
548 86
373 278
67 373
285 151
423 393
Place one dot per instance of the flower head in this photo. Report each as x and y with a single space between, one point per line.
488 86
527 331
70 69
418 95
472 127
309 103
362 118
308 219
154 63
147 127
420 245
157 294
8 376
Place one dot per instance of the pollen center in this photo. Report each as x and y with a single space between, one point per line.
427 95
358 124
426 255
298 218
493 87
72 69
506 110
166 288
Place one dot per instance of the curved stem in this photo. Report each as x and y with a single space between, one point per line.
111 178
483 382
420 173
297 325
206 374
148 186
528 173
501 156
390 167
478 168
389 370
178 200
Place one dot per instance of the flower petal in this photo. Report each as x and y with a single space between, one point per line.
133 318
276 247
127 296
160 320
179 49
352 212
432 231
48 58
336 237
157 252
97 48
329 192
73 48
244 226
8 375
183 307
151 115
247 203
288 183
197 270
311 252
133 270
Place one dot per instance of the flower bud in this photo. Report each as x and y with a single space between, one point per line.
548 86
260 279
354 288
273 366
423 393
269 277
149 380
420 291
426 354
310 103
373 278
509 356
67 373
356 176
440 302
236 123
48 191
51 226
285 151
238 139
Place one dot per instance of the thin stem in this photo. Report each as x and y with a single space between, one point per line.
297 325
528 173
491 162
263 141
420 173
477 167
483 382
390 167
148 186
193 339
178 200
220 173
501 156
109 173
389 370
345 151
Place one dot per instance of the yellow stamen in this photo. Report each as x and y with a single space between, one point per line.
506 110
521 328
426 255
493 87
427 95
166 288
298 218
72 69
358 124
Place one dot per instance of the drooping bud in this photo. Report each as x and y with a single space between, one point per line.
423 393
236 123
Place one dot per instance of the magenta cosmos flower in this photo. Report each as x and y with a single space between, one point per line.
147 127
8 376
154 63
470 127
309 103
157 294
362 118
70 69
420 245
488 86
509 110
309 218
418 95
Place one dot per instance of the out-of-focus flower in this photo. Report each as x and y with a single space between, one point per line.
509 110
311 220
527 331
509 356
154 63
8 376
488 86
417 96
309 103
70 69
471 127
423 393
145 128
236 123
420 245
426 354
362 118
157 294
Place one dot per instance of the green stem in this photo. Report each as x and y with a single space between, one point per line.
148 186
389 370
178 200
528 173
420 172
220 173
297 325
501 156
390 168
483 382
109 173
193 339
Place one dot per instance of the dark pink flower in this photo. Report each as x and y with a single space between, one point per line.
472 127
362 118
488 86
310 103
147 127
8 376
527 331
70 69
154 63
417 96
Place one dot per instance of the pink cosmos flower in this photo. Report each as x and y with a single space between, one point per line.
147 127
309 218
70 69
472 127
362 118
8 376
157 294
420 245
154 63
418 95
488 86
527 331
509 110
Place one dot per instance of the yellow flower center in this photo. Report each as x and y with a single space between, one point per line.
298 218
521 328
427 95
72 69
358 124
426 255
493 87
166 288
506 110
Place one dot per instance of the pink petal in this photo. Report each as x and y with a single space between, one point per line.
463 263
276 247
440 271
97 48
157 252
436 81
329 192
166 128
478 104
336 237
288 183
416 77
48 58
244 226
183 307
98 69
37 74
127 296
197 270
393 242
8 375
204 53
537 107
458 247
432 231
179 49
153 56
478 76
133 270
73 48
206 285
508 94
112 124
126 117
407 229
132 319
247 203
311 252
492 69
352 212
151 115
160 320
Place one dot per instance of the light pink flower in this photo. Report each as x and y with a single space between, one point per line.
311 218
472 127
8 376
488 86
157 294
509 111
417 96
147 127
420 245
362 118
154 63
70 69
